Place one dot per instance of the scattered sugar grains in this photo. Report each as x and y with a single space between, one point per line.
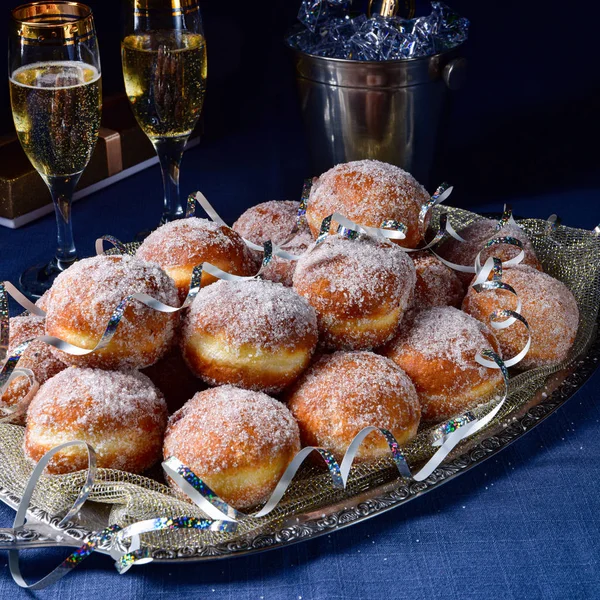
92 398
262 313
273 220
549 307
446 333
357 269
437 284
369 381
229 427
381 187
121 414
88 292
37 356
185 237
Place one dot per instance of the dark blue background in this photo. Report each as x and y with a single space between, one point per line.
525 130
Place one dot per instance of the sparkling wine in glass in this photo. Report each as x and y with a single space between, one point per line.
56 99
163 54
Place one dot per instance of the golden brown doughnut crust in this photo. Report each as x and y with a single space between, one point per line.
437 284
368 192
344 392
256 334
547 304
181 245
238 441
120 414
360 289
37 357
476 235
84 297
437 351
275 220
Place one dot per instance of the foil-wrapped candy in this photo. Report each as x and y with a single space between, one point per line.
330 31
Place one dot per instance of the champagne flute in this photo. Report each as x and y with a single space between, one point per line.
164 67
56 100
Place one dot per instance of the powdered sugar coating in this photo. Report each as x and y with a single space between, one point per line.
181 245
193 238
437 284
229 427
348 280
547 304
105 408
368 192
238 441
361 273
344 392
264 314
275 220
37 357
437 348
84 297
476 235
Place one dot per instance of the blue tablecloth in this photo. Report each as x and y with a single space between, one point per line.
523 525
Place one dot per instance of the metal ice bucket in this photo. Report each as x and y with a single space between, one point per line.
392 111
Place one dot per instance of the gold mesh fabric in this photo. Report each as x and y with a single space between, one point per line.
571 255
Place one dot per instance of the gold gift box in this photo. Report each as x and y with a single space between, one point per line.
122 150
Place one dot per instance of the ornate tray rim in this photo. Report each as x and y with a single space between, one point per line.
371 503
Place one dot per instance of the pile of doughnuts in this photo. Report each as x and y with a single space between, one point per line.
358 332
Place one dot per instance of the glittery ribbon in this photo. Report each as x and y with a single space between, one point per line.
453 433
111 537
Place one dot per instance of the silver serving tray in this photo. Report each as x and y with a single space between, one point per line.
42 528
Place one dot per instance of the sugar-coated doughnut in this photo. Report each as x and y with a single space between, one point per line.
476 235
275 221
120 414
437 284
344 392
368 192
239 442
547 304
360 289
173 378
181 245
437 351
37 357
83 298
256 334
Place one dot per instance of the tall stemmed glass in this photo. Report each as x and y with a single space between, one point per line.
164 67
56 99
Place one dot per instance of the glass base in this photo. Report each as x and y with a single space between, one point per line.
39 279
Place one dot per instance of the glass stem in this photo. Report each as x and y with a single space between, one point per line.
170 152
62 189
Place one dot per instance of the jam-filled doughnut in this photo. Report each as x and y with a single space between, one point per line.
83 298
37 357
181 245
120 414
437 284
547 304
275 220
360 289
239 442
344 392
368 192
256 334
437 351
476 236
